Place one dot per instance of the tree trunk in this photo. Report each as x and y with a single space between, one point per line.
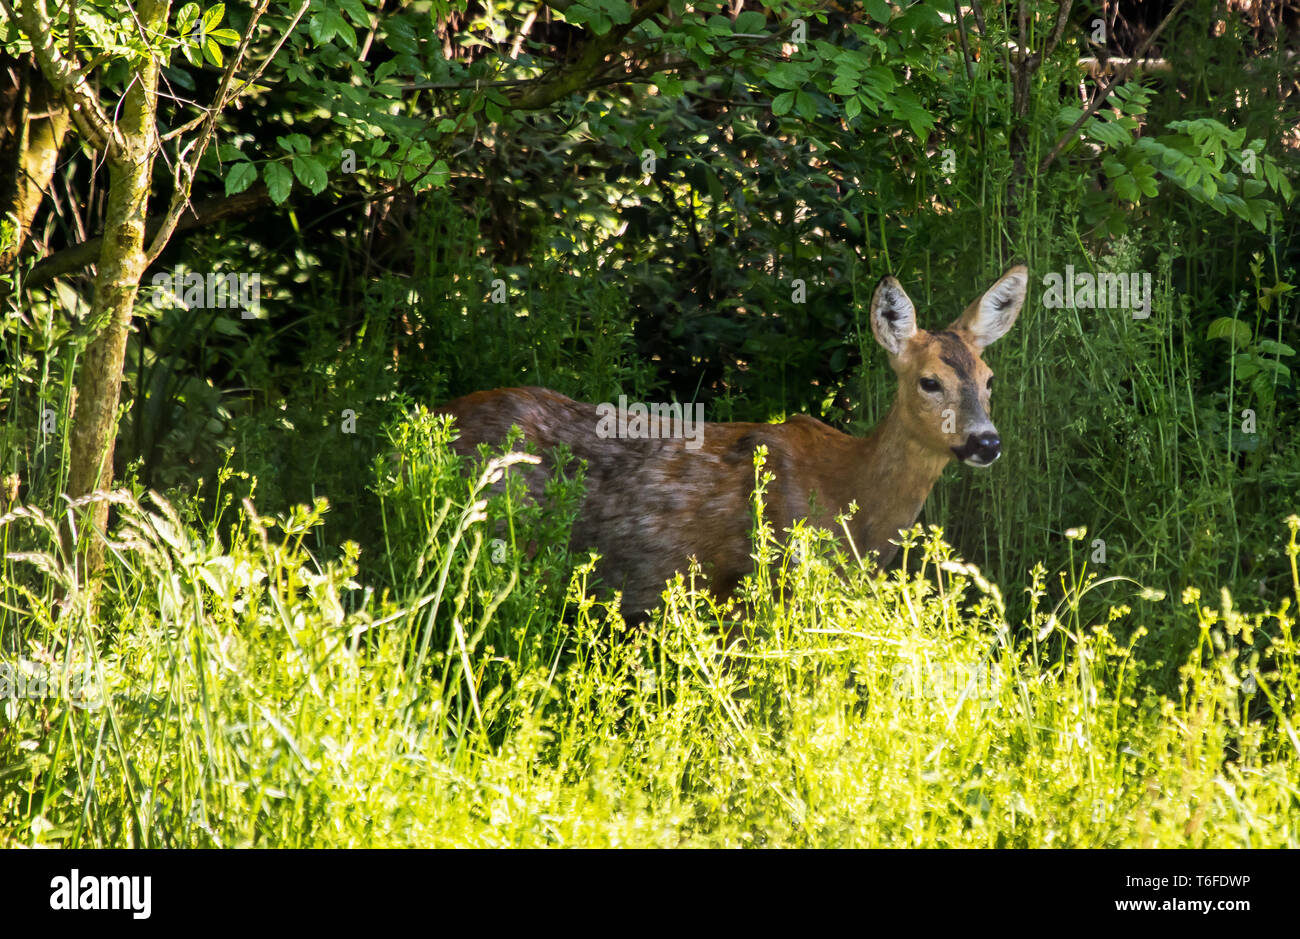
35 125
122 263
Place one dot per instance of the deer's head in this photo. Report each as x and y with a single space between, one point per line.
943 384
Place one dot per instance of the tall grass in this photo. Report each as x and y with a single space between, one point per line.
252 680
248 694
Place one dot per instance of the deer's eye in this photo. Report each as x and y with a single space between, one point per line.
931 385
989 383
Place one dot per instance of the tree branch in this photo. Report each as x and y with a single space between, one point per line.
65 77
568 79
186 167
1104 93
965 47
200 214
1062 18
274 52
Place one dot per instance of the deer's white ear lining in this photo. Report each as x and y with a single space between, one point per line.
893 318
998 308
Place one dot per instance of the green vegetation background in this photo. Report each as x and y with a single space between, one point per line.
373 668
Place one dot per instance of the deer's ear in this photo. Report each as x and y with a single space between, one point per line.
988 318
893 318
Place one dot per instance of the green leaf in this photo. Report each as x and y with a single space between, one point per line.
918 18
1107 132
228 151
852 107
279 181
295 143
239 177
906 106
1274 347
782 103
181 77
342 29
356 12
224 326
1225 327
787 76
1283 184
1146 179
321 28
805 105
1237 206
751 21
1113 167
878 10
1258 213
669 85
1126 188
212 51
186 18
716 192
620 11
1246 365
311 173
879 81
212 17
719 25
227 37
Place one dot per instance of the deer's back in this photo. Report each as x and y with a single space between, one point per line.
651 504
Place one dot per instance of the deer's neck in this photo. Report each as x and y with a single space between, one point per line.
894 480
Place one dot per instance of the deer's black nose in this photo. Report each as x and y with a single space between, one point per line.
984 448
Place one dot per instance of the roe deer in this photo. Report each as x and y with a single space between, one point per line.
651 504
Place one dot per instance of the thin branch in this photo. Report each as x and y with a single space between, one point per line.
965 48
239 92
568 79
184 128
200 214
523 31
65 77
364 53
274 52
1062 20
1104 93
187 167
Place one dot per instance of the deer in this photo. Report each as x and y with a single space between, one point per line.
654 502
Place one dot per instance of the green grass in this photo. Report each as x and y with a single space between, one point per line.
249 695
445 681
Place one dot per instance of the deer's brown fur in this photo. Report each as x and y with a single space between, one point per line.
652 504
